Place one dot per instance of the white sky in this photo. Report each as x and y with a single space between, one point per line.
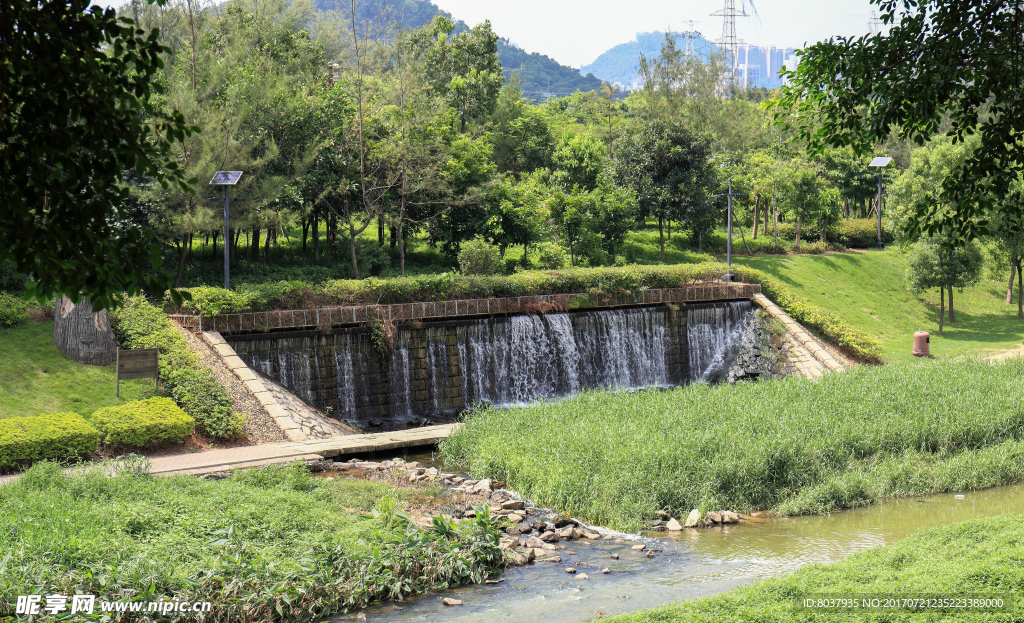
575 32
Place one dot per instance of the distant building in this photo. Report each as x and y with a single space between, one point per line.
759 66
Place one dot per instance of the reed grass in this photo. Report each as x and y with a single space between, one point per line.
793 445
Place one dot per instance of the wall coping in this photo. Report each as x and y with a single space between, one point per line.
323 318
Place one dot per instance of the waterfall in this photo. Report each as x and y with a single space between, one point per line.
713 336
438 369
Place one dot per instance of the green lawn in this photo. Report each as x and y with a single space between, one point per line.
977 557
869 291
35 377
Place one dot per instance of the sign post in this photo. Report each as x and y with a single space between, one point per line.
141 363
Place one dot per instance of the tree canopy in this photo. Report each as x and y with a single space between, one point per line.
76 114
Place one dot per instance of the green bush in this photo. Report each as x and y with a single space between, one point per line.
48 436
860 233
13 310
143 423
479 257
137 324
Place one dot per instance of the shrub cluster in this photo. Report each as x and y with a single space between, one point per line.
48 436
143 423
141 325
448 286
13 310
857 233
479 257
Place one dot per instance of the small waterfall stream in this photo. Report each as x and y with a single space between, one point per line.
439 369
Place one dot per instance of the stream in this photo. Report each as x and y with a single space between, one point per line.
688 564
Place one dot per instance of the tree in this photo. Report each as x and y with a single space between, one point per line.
669 169
941 59
933 265
810 197
76 113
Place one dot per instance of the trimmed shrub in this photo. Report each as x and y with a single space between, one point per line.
141 325
859 233
13 310
479 257
143 423
48 436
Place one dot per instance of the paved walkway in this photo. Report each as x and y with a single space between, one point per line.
286 452
807 355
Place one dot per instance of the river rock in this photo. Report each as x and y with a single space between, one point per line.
693 519
649 554
567 533
530 554
570 569
513 505
539 525
583 576
448 601
639 547
534 542
549 537
713 517
551 559
593 536
539 553
482 487
513 530
516 517
674 526
412 465
663 514
560 521
730 517
606 570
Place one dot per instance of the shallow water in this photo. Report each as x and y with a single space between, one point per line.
690 564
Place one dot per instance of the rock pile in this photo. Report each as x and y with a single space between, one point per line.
695 519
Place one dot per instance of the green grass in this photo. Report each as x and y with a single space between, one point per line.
869 291
794 445
262 545
35 377
977 557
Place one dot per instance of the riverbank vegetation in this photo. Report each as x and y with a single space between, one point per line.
270 544
794 446
980 557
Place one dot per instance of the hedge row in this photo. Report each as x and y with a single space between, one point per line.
856 233
47 436
138 324
143 423
619 280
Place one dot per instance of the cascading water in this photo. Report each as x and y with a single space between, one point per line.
713 333
437 370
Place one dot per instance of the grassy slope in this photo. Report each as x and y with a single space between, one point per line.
845 440
983 556
35 377
869 291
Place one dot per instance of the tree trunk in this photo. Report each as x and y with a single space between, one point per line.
799 226
757 214
266 246
1020 291
305 234
1009 286
316 235
824 230
951 318
393 236
661 236
189 259
254 245
670 229
82 334
182 250
942 307
401 248
213 237
380 232
352 250
740 227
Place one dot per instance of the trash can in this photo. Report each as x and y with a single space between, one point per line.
921 341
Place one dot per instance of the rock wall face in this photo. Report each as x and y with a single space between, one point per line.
427 372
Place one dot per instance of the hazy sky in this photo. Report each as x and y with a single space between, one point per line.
575 32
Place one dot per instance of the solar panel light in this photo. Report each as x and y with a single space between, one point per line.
225 178
879 163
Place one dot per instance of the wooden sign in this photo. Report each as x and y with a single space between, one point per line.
141 363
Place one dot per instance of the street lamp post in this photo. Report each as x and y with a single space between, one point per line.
880 163
226 179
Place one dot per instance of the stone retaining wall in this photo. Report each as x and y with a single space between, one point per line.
806 355
323 318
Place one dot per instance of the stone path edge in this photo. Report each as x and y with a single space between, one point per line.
800 334
222 349
255 456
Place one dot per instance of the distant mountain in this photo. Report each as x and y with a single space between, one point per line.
619 64
542 76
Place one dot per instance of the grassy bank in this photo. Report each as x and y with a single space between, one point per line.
977 557
869 291
35 377
273 544
794 445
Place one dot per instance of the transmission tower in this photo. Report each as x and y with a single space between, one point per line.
689 37
729 42
874 25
